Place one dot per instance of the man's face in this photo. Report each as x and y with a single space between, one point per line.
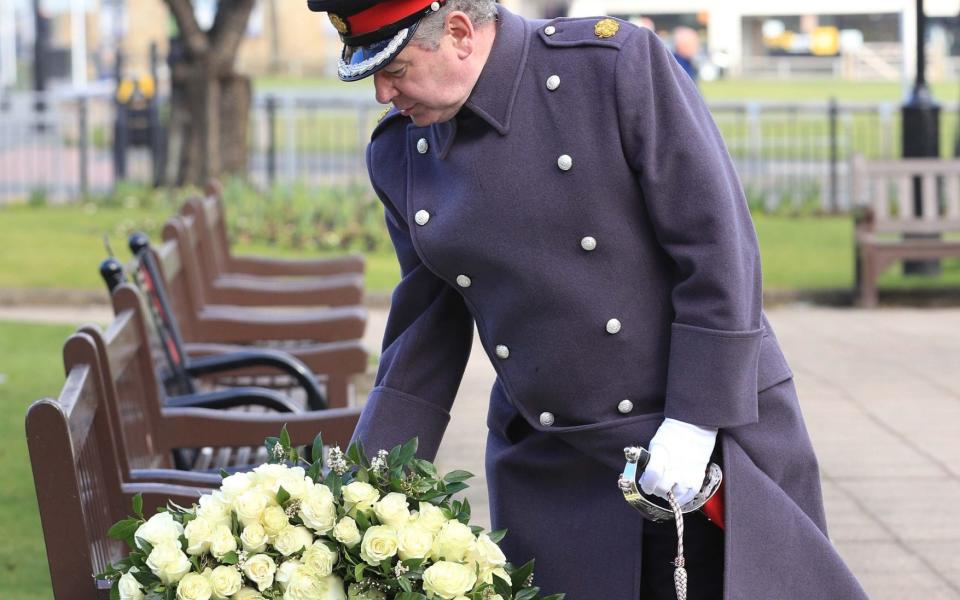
429 86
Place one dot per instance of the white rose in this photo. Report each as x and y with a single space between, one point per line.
268 476
247 593
260 569
320 559
215 509
254 538
347 533
486 575
379 543
130 588
431 517
194 586
285 572
414 541
486 553
392 509
168 563
317 509
296 484
354 593
453 542
359 497
307 586
235 485
293 539
159 528
448 579
250 505
225 581
274 520
198 533
222 541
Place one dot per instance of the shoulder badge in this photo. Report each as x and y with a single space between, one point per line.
606 28
338 23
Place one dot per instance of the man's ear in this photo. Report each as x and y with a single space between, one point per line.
460 29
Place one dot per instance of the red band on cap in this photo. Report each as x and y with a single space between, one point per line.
381 15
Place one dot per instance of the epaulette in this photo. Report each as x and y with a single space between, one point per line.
585 31
386 117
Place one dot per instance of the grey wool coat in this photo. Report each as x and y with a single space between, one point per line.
594 229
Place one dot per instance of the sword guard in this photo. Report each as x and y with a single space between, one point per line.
637 460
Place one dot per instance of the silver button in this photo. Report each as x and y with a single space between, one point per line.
550 30
422 217
588 243
625 407
503 352
464 281
565 162
614 326
553 82
423 145
435 6
547 419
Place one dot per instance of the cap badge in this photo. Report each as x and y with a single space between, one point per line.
338 23
606 28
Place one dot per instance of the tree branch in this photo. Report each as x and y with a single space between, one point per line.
194 37
228 31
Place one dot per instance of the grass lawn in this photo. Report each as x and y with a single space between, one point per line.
31 368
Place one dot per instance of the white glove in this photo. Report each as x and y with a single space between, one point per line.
679 453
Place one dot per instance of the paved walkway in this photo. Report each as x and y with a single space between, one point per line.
881 394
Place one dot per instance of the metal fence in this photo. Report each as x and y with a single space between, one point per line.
787 154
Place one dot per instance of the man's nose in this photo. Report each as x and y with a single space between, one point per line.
385 90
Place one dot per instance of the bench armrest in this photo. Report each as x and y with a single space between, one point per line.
235 398
281 361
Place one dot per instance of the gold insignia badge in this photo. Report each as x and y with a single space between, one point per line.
606 28
383 114
338 23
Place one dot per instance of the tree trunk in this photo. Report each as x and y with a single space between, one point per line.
210 102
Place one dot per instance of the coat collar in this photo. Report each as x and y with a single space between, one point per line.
495 92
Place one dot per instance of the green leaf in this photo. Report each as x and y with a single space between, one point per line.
230 558
145 546
315 472
519 576
496 536
316 453
335 484
363 475
271 444
455 488
457 476
224 473
502 586
124 530
282 496
409 596
138 505
408 451
527 594
404 584
424 467
358 571
364 461
363 522
115 590
285 437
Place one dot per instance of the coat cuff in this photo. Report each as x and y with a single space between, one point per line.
712 376
391 417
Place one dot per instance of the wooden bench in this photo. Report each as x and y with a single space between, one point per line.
77 476
327 340
221 262
150 429
337 289
884 192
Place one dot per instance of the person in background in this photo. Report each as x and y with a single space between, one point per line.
686 49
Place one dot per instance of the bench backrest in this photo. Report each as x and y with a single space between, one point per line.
130 384
76 474
212 230
177 284
888 188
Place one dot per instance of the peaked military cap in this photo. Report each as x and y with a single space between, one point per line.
372 31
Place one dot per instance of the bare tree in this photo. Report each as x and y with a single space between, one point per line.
210 101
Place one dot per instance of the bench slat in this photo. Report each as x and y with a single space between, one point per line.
905 197
951 185
931 204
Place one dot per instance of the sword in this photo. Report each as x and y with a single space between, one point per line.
706 499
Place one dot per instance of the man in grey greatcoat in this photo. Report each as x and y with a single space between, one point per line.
561 185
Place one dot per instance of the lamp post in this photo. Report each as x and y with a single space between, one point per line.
921 135
39 56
